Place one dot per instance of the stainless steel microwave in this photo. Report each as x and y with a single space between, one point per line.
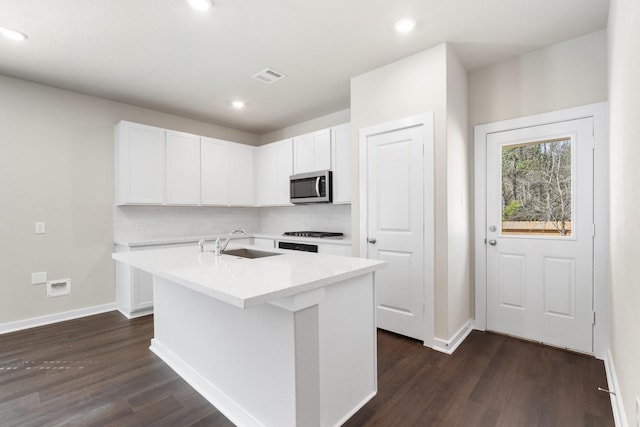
312 187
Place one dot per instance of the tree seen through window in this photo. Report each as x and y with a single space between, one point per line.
536 188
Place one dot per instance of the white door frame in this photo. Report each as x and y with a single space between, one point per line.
426 120
599 112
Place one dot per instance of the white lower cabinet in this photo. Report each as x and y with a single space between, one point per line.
329 248
265 243
334 249
134 288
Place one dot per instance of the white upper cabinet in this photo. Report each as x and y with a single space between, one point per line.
273 166
183 168
265 177
156 166
214 155
139 164
240 174
284 169
312 152
341 162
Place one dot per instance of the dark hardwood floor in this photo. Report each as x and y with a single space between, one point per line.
98 371
490 380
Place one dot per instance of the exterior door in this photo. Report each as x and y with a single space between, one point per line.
540 232
395 227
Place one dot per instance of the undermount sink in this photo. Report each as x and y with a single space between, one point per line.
248 253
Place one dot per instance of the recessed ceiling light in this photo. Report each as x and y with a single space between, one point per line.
200 5
405 25
13 34
238 105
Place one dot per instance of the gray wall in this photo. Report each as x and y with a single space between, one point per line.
624 108
57 166
564 75
319 123
430 81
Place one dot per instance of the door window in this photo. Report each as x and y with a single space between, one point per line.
537 188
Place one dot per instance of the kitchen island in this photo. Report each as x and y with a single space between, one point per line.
281 340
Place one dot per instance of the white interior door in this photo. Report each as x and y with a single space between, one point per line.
540 232
395 227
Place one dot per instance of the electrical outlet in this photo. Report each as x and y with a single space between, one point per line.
41 228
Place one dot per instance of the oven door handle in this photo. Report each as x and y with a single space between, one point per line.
318 186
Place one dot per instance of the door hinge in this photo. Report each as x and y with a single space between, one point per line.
593 230
594 318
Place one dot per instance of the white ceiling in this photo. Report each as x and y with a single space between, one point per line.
164 55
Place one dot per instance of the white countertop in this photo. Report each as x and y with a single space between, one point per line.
247 282
195 239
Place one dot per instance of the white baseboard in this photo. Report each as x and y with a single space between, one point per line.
223 403
451 345
213 394
136 314
619 416
356 409
20 325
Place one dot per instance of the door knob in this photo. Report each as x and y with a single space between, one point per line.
372 241
493 242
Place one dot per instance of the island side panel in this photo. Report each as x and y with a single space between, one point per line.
307 345
348 358
241 360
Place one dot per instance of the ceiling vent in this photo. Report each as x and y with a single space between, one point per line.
268 76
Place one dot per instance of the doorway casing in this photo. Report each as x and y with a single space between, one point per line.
425 120
599 113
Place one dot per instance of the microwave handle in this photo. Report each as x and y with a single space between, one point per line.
318 186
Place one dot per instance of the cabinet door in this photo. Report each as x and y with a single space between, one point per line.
183 168
284 170
312 152
214 161
240 175
341 162
140 164
142 290
264 243
273 167
322 150
333 249
303 153
265 175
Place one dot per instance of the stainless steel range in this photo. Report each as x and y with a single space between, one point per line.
306 247
319 234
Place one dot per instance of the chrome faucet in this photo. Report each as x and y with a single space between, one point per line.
201 245
219 246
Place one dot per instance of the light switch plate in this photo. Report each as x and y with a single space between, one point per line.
41 228
39 278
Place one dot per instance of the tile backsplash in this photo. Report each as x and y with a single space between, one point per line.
317 217
145 223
